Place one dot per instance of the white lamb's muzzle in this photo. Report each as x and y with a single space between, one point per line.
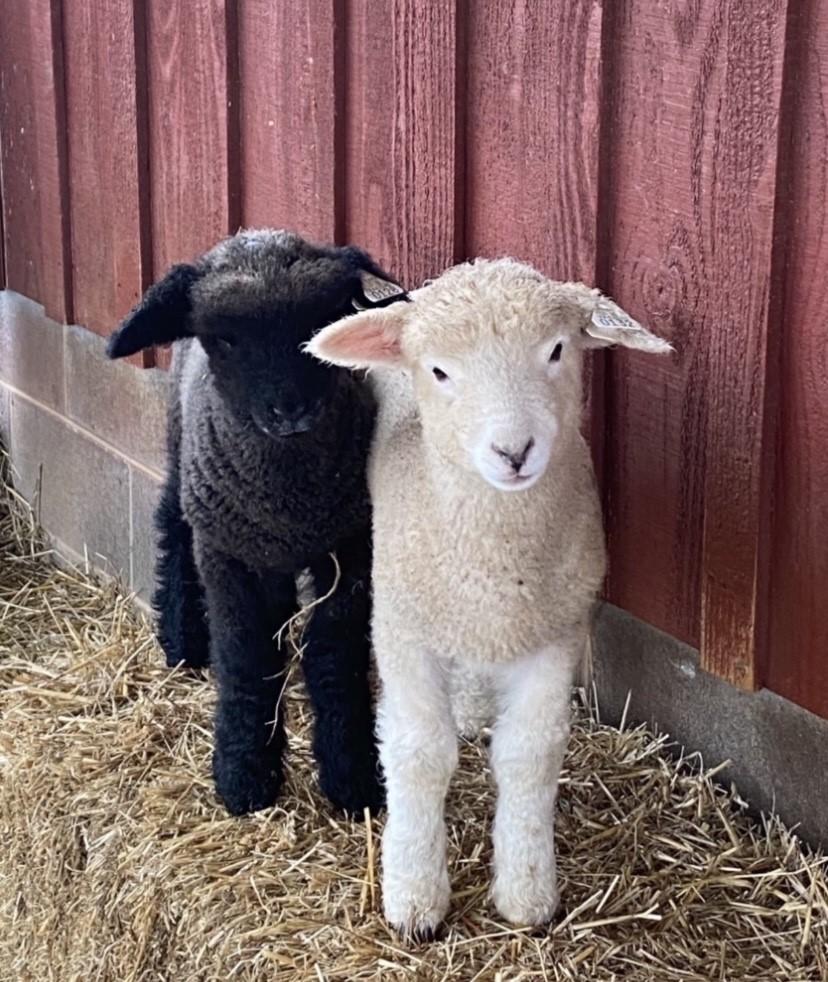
511 462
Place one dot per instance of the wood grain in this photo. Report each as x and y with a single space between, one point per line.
532 148
35 182
743 160
105 156
400 156
288 115
693 102
2 236
794 665
532 133
194 198
192 115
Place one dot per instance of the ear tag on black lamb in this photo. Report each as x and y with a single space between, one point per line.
377 291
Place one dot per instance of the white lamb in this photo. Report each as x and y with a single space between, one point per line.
488 556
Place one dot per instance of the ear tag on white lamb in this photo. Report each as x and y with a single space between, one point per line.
377 291
607 322
613 319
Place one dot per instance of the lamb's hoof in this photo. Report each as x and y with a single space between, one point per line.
244 790
417 916
354 791
525 905
194 661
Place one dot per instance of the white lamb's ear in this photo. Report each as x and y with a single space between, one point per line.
369 339
609 324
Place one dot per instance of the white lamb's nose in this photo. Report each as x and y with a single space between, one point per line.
515 458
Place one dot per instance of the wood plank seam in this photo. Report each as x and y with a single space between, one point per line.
148 358
61 136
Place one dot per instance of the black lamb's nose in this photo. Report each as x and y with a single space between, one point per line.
289 409
293 416
515 458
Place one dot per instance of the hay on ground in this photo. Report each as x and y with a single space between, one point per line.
118 863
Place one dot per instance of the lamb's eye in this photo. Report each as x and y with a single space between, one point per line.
439 374
226 343
556 352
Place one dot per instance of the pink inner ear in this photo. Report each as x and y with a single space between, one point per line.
364 342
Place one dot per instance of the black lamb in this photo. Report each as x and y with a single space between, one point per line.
265 478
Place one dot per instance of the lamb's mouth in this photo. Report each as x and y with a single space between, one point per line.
281 431
517 482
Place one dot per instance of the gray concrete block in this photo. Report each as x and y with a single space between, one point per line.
778 751
145 493
84 489
31 349
122 404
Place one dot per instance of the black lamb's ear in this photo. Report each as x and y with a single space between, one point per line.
160 317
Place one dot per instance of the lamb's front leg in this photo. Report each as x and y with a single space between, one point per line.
244 615
418 749
336 664
528 745
179 595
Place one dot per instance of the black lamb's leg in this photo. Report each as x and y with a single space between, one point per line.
249 670
179 596
336 662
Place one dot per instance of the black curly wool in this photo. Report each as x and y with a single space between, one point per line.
266 477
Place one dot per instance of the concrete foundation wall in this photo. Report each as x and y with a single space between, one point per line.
90 434
86 439
778 751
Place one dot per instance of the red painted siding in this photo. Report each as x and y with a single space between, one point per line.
191 45
672 153
33 126
693 113
106 150
400 162
795 657
288 115
531 140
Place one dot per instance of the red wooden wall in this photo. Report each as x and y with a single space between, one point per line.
673 153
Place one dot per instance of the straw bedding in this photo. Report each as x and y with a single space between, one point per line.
117 862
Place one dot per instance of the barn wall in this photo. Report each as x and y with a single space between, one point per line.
673 154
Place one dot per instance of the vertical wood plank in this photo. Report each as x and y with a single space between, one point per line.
741 213
191 54
798 564
2 236
35 180
192 119
532 147
288 108
532 133
400 156
693 101
104 159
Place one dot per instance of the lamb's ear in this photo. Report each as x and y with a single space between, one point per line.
369 339
609 324
160 317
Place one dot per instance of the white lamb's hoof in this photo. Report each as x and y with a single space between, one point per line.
416 910
525 903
